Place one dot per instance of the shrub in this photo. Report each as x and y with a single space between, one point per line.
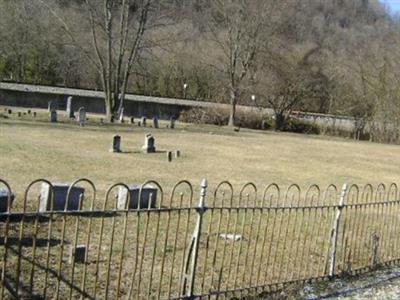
298 126
220 117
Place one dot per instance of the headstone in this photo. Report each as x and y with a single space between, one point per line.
77 254
132 120
169 156
121 116
29 111
70 112
82 116
143 121
263 124
101 120
177 153
19 114
149 144
60 197
9 111
139 124
155 122
4 193
116 145
34 114
172 123
112 119
53 116
52 105
147 199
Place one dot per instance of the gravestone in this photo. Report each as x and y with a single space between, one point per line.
155 122
121 116
70 112
147 199
149 144
116 145
52 105
4 193
77 254
34 114
169 156
60 197
263 124
177 153
139 123
53 116
112 119
132 120
19 114
82 116
171 123
101 120
29 111
9 111
143 121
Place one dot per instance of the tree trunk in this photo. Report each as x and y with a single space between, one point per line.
108 103
279 121
232 114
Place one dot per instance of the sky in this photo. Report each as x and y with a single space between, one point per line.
393 4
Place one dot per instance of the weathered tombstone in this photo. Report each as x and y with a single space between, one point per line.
9 111
82 116
139 123
19 114
171 123
169 156
60 197
70 112
77 254
52 105
177 153
121 116
155 122
29 111
53 116
34 114
143 121
263 124
148 197
149 144
4 199
116 145
132 120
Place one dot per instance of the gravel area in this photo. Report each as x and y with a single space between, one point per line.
380 284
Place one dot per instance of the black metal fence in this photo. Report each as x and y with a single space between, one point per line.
194 242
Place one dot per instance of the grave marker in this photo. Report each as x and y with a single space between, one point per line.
172 123
148 197
149 144
143 121
4 199
60 197
82 116
53 116
155 122
116 145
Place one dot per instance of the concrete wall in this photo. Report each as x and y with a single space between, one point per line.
25 95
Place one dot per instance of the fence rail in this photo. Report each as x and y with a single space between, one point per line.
192 242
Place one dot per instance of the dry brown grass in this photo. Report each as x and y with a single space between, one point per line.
63 152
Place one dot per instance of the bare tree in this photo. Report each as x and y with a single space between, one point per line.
117 32
239 30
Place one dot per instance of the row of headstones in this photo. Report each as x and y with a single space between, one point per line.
148 147
28 112
81 116
59 200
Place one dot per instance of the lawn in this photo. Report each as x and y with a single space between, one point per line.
147 250
62 152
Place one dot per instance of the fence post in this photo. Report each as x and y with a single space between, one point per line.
189 274
335 231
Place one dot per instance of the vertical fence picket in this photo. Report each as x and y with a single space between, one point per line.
335 232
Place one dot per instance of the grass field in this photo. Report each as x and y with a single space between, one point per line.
34 148
62 152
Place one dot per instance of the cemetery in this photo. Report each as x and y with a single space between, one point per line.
123 195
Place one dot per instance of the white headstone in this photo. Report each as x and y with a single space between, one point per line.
82 116
149 144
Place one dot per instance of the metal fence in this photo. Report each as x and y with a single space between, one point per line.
196 242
